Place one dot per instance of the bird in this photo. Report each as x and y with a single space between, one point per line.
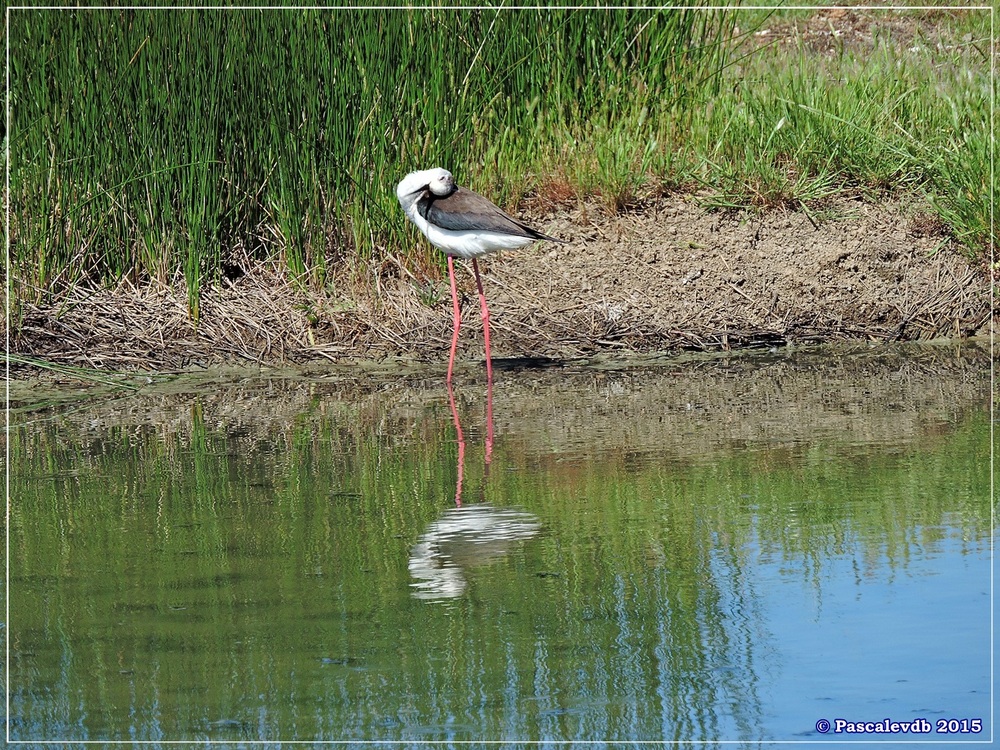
462 224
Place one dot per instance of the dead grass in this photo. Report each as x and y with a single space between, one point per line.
670 276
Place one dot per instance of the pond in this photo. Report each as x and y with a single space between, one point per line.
733 547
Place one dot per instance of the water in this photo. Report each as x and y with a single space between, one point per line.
716 548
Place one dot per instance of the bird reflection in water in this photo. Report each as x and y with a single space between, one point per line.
460 438
466 536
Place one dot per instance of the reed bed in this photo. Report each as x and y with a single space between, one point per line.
158 144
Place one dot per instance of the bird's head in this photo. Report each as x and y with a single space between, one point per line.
439 181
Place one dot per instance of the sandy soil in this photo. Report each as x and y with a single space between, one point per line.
665 276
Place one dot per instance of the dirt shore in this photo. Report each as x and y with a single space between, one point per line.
667 275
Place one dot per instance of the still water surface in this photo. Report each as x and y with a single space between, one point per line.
725 548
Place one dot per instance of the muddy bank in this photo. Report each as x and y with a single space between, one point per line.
666 276
699 404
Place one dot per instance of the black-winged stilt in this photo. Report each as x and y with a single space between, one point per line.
464 224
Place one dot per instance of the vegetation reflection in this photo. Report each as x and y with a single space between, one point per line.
283 558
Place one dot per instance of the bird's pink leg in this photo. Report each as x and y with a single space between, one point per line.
460 467
457 322
486 321
489 426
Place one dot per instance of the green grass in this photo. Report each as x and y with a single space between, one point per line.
163 145
795 127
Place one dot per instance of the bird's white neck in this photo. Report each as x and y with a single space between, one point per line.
408 201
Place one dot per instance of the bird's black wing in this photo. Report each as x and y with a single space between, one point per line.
465 210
